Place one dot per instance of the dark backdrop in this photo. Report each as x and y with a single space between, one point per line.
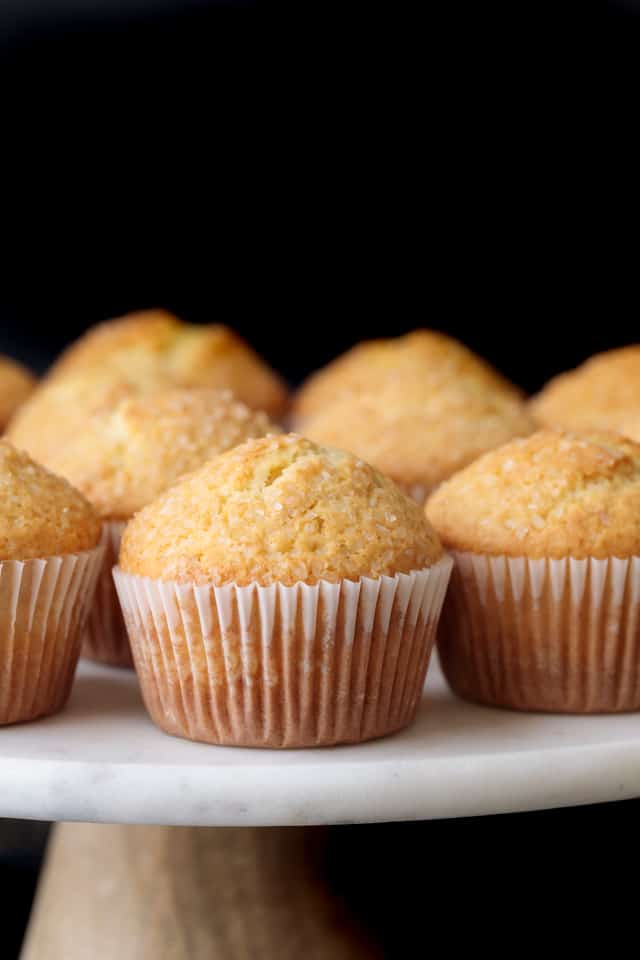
311 178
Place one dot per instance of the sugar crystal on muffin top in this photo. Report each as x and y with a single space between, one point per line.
123 458
279 509
553 494
140 353
41 515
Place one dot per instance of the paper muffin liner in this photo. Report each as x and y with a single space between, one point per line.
283 666
43 608
541 634
105 636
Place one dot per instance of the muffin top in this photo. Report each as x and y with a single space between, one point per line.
123 458
41 515
553 494
138 354
16 383
58 409
153 349
419 433
424 355
602 393
279 510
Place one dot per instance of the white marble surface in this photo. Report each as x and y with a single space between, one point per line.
103 760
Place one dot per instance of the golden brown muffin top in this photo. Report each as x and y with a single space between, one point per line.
153 349
16 383
423 355
602 393
419 434
279 510
58 409
122 459
553 494
41 515
138 354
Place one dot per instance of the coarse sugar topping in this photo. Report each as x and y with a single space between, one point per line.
41 515
280 509
553 494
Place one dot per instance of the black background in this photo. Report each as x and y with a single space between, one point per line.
313 175
315 178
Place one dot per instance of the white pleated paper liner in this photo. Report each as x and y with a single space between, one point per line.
105 635
43 607
540 634
283 666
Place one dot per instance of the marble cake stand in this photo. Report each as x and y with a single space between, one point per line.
102 761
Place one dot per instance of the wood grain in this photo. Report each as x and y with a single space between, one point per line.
114 892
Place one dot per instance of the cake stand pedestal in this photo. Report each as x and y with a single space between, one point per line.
116 887
119 892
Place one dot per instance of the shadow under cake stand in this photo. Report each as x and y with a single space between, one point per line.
126 889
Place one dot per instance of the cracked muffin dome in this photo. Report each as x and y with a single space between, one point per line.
41 515
419 434
602 393
279 510
152 349
16 383
553 494
125 457
423 355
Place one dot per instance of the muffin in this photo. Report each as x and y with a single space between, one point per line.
602 394
123 458
58 409
435 360
153 349
283 595
139 354
543 612
16 383
419 433
49 561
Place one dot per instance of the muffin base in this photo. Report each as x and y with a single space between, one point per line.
105 636
559 636
283 666
43 607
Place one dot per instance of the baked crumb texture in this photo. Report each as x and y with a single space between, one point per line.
554 494
16 383
123 458
140 353
279 510
41 515
153 349
418 408
425 355
602 393
57 410
419 435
